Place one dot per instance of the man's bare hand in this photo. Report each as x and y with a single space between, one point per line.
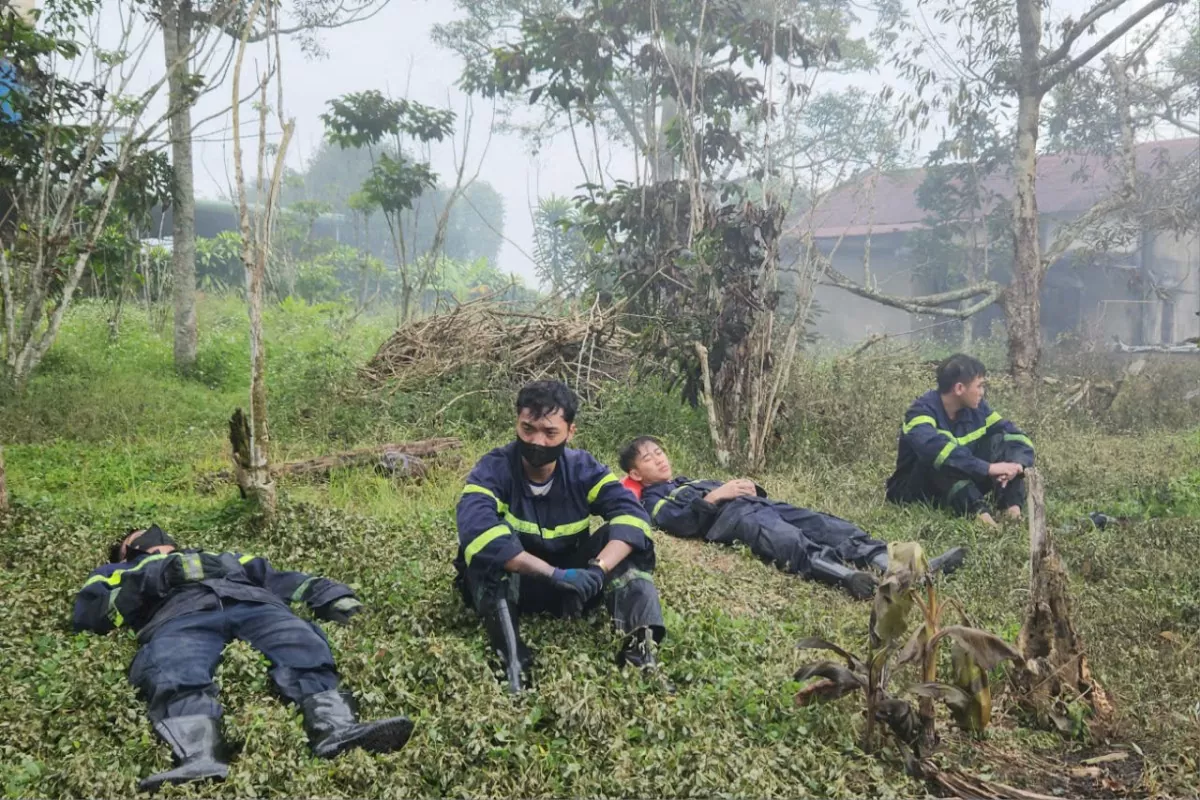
1004 471
735 488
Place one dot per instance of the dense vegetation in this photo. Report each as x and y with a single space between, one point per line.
108 435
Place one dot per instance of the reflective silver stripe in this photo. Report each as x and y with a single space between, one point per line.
298 595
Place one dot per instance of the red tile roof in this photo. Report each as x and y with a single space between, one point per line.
1066 184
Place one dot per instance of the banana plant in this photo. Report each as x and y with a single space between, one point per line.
908 583
973 655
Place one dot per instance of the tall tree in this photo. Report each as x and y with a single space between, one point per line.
694 253
250 438
80 151
1006 60
184 22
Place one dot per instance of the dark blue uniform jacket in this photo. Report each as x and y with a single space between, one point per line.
499 516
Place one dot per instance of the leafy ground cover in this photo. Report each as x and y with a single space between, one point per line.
108 436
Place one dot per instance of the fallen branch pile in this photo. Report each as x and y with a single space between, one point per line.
583 349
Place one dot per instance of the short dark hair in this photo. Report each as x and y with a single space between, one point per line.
630 452
543 398
958 368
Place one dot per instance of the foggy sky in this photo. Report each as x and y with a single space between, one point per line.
391 52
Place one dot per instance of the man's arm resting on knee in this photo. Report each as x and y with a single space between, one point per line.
613 554
528 564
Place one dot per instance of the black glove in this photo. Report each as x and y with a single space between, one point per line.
189 567
583 583
339 611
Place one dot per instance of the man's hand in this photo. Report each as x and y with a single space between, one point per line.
583 583
742 487
1004 471
339 611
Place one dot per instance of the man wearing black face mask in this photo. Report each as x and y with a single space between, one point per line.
186 605
525 540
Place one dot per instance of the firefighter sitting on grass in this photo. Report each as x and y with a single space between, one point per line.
526 544
956 453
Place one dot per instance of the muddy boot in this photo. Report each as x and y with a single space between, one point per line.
333 729
948 562
504 637
861 585
198 750
638 651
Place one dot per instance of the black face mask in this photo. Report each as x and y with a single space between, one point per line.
539 455
151 537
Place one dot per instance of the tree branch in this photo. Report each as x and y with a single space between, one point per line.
1079 28
926 304
1104 43
626 118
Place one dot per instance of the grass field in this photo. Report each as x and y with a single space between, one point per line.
108 436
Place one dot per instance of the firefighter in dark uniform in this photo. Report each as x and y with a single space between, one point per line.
956 453
812 545
186 605
526 544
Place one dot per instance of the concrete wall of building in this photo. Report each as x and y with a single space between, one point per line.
848 318
1174 261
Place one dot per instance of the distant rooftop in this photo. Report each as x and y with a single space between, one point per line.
1067 184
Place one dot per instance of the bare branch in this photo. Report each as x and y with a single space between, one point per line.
1078 29
988 292
1104 43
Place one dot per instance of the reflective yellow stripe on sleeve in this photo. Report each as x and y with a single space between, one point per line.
482 540
658 507
245 559
942 456
474 488
115 578
594 492
922 420
1019 437
632 521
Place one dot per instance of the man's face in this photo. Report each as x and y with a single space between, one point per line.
550 430
651 465
971 394
129 541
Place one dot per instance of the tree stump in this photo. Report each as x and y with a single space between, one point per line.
1056 671
250 471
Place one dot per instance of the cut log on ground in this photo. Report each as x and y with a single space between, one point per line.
396 459
400 460
1057 672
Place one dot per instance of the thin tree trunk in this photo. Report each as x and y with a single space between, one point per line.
1023 299
3 485
177 33
255 474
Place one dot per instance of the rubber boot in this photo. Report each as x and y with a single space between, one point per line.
637 651
947 563
861 585
504 636
333 729
197 747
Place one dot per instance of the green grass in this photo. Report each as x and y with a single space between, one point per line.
108 436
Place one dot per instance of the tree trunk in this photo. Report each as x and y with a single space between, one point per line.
1056 672
1022 302
177 35
3 485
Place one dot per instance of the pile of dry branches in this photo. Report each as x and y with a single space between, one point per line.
583 349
